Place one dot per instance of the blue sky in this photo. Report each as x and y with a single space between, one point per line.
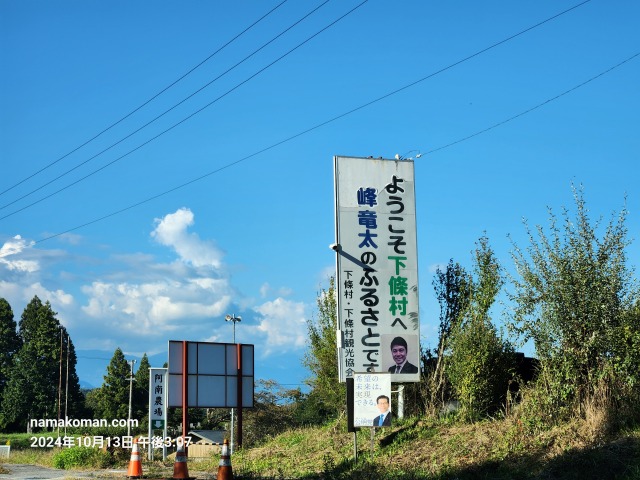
129 260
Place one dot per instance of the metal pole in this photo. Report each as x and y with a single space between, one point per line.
239 392
355 447
234 319
130 398
66 390
60 381
373 433
232 410
185 391
400 393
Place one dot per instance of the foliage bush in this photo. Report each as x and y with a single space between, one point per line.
481 363
75 457
576 299
480 369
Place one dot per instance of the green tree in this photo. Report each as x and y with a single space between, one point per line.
10 342
481 362
574 297
37 383
453 291
113 397
140 408
327 393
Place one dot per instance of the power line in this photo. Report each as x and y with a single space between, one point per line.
144 103
495 125
166 192
157 118
184 119
479 52
201 177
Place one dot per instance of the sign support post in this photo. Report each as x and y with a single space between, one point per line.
239 393
185 394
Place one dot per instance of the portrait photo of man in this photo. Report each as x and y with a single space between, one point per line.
384 419
399 352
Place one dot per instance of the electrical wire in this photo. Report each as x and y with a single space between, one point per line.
495 125
166 192
160 115
288 139
147 101
394 92
184 119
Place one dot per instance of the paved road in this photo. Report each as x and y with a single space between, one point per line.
33 472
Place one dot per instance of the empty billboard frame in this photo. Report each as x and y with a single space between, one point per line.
217 374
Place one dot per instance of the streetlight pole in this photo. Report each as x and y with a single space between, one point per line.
234 319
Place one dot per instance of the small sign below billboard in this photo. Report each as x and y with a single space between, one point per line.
372 400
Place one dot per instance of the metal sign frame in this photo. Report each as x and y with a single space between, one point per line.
376 267
220 375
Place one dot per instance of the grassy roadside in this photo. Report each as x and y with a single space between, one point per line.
427 449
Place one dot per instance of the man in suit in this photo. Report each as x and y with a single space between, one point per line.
399 352
384 419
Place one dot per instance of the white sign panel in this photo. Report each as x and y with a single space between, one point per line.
158 387
158 404
372 400
377 268
212 372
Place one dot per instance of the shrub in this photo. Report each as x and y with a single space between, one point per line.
480 368
74 457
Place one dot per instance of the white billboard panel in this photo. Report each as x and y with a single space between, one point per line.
377 268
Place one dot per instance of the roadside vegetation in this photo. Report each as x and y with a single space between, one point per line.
573 413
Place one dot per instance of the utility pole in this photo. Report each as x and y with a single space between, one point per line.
130 398
66 389
60 381
234 319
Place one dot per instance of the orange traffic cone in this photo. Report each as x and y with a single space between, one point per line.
180 470
224 467
135 467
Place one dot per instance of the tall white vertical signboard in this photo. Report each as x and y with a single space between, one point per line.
158 395
377 268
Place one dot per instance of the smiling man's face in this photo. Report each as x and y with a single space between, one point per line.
383 405
399 354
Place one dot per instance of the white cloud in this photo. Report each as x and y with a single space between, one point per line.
15 247
171 231
56 297
155 308
265 290
283 323
143 301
